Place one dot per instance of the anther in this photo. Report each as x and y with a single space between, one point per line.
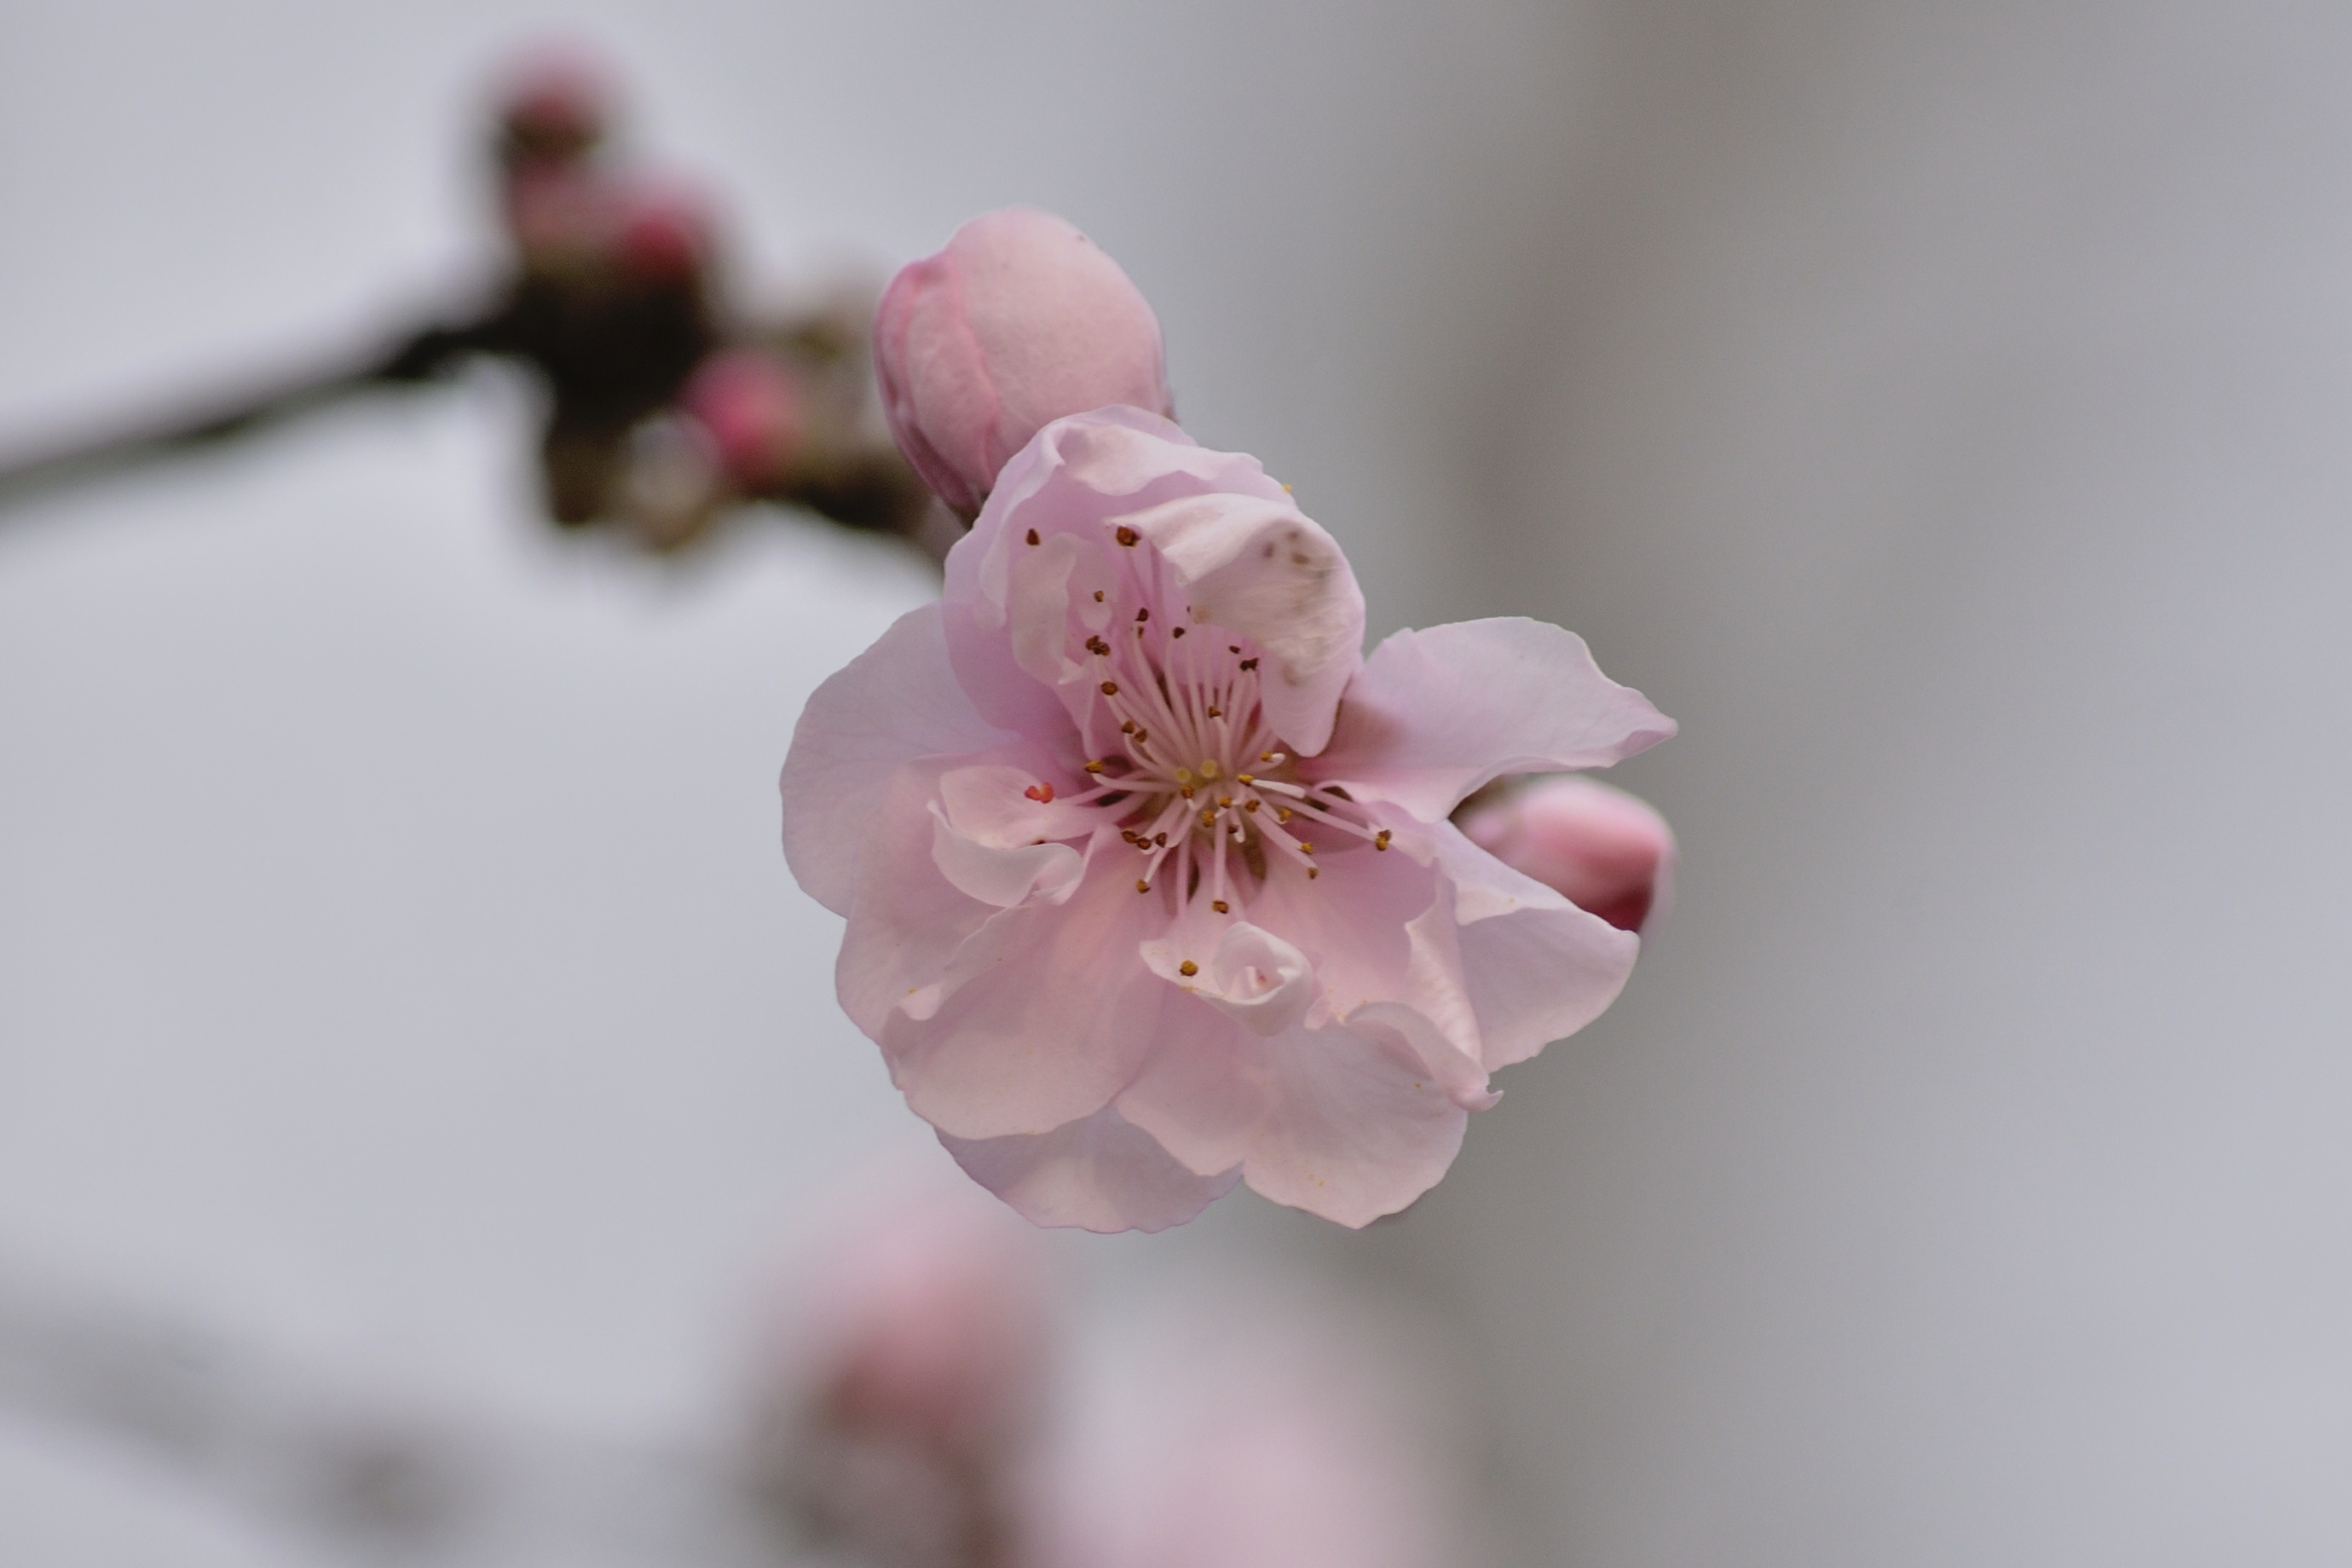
1110 688
1233 647
1187 969
1141 885
1223 801
1127 536
1216 713
1222 907
1282 813
1313 871
1098 592
1144 613
1305 847
1381 839
1247 778
1160 838
1265 756
1141 736
1098 767
1180 631
1128 729
1187 791
1252 804
1033 536
1249 664
1208 818
1095 645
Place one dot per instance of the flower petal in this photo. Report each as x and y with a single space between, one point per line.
1347 1121
1042 1016
1099 1173
1005 877
896 701
1245 972
1436 714
1259 567
1535 967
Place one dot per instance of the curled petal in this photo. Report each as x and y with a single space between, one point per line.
1347 1121
1259 567
1434 715
1247 973
894 703
1005 877
1099 1173
1535 967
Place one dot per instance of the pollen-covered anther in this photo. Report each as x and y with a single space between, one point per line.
1187 969
1252 804
1144 613
1282 813
1221 906
1246 778
1381 839
1033 537
1188 791
1098 596
1305 847
1097 766
1141 885
1128 729
1223 801
1178 632
1216 713
1110 688
1160 838
1128 537
1249 664
1098 647
1313 871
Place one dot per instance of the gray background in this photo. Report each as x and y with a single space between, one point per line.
1940 410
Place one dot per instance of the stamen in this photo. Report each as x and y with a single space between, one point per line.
1097 766
1110 688
1314 871
1180 631
1382 840
1141 885
1144 613
1252 804
1128 537
1222 907
1187 969
1041 793
1033 536
1098 647
1098 593
1247 664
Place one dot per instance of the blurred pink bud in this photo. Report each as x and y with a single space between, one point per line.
558 214
1021 321
750 403
556 102
664 231
1600 847
930 1324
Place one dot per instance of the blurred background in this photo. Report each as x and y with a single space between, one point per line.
1939 410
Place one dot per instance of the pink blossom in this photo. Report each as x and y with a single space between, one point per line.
1149 879
751 406
1020 320
1599 847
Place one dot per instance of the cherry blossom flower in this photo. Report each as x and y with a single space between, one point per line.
1019 320
1149 875
1601 847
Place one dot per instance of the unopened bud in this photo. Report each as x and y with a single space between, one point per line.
1600 847
1021 321
751 405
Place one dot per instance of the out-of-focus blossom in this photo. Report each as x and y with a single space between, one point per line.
904 1409
663 231
557 103
1149 872
752 407
1020 320
1600 848
1301 1432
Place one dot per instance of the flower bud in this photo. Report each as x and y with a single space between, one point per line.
751 405
556 104
1600 847
1021 321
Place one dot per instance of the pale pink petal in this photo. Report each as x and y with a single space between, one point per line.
1347 1121
1535 967
1603 850
907 920
1099 1173
896 701
1005 876
1436 714
1040 1017
1245 972
1259 567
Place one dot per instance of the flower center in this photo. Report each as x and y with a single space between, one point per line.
1185 760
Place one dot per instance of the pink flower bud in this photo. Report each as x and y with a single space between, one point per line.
1600 847
1021 321
665 232
556 102
750 404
